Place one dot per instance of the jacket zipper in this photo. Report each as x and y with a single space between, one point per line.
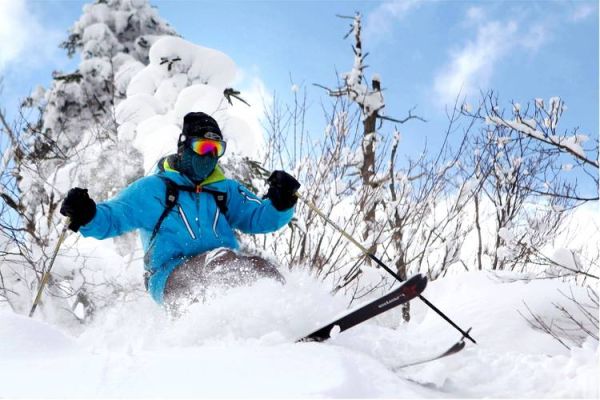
198 190
185 221
217 214
215 222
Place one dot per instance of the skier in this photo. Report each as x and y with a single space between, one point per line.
186 213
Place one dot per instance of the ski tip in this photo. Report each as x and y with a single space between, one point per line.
314 337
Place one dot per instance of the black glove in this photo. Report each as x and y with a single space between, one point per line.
79 207
282 190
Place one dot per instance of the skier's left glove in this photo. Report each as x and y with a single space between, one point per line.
79 207
282 190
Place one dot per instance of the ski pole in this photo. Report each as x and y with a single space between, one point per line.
366 252
46 274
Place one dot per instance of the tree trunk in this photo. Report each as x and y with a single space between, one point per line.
366 172
479 240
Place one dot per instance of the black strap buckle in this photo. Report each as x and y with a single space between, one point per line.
147 276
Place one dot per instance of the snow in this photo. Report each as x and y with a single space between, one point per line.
504 252
567 258
570 142
201 64
127 67
233 347
242 343
506 234
539 102
180 78
99 38
370 101
23 338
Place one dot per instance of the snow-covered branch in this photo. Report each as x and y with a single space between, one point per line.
568 144
539 123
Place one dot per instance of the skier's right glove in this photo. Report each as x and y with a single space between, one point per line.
79 207
282 190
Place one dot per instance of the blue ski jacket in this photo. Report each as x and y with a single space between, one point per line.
195 225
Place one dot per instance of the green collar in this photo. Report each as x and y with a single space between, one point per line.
216 176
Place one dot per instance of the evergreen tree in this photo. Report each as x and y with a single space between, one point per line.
101 127
77 123
74 138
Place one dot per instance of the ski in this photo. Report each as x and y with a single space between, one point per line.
455 348
406 292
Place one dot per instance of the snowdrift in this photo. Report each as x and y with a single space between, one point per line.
241 344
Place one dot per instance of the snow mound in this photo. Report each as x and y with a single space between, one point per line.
25 337
241 343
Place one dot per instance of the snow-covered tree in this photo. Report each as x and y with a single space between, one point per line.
370 101
69 135
76 133
351 173
528 178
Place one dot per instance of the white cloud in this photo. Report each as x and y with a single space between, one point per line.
12 32
582 11
536 36
475 14
379 22
471 66
21 33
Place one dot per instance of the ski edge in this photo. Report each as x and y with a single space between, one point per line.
455 348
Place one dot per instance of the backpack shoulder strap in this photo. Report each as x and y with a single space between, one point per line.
171 196
220 199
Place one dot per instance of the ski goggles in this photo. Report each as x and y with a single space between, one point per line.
208 146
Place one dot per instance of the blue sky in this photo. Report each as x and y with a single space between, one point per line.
425 50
